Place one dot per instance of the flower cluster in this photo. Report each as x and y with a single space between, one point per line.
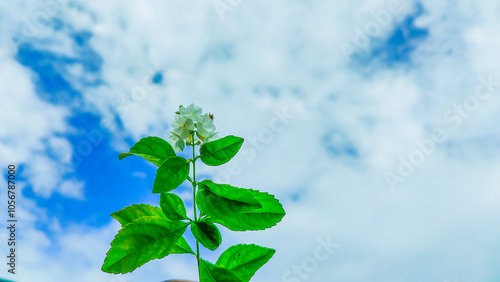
189 122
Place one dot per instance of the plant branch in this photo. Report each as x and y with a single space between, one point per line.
194 208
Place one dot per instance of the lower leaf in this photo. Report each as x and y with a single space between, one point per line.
182 247
213 273
142 240
245 260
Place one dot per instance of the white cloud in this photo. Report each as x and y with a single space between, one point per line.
29 126
264 56
72 189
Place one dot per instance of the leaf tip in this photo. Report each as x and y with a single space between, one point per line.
122 155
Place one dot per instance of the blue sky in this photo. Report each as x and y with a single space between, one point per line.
374 122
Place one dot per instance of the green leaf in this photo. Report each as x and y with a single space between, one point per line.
153 149
182 247
221 150
207 233
227 197
213 273
173 206
245 260
142 240
133 212
238 215
171 174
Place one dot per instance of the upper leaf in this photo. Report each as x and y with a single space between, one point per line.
215 273
207 233
144 239
245 260
239 215
133 212
221 150
171 174
173 206
153 149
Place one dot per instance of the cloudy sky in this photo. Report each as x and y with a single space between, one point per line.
374 122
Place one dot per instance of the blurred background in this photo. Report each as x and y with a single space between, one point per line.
374 122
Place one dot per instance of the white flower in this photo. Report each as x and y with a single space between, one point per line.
189 120
191 111
210 137
176 141
205 125
182 125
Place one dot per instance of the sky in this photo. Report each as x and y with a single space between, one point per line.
375 122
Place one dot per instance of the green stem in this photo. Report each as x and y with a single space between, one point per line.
194 209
